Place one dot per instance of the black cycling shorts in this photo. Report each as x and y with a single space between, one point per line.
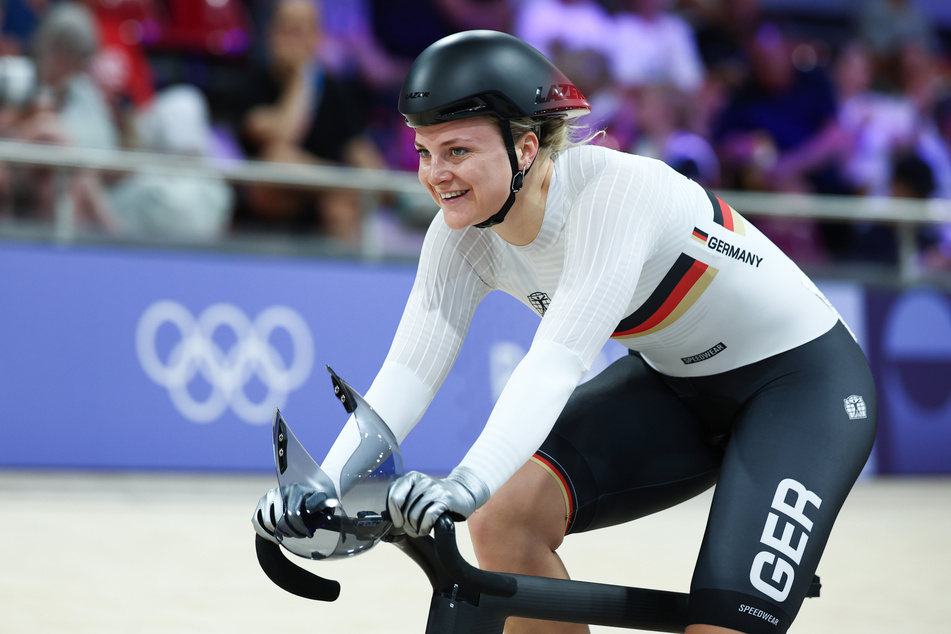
784 439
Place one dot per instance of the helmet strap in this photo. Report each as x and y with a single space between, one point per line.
518 178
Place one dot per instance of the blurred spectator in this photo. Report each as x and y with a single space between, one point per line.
648 45
779 132
886 27
876 122
121 67
653 45
910 177
884 124
723 30
918 174
897 147
938 149
921 78
926 86
570 25
69 109
66 43
153 205
663 133
294 111
937 254
349 48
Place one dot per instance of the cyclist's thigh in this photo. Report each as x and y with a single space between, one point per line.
625 447
795 452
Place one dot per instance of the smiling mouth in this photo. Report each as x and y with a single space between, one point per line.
452 195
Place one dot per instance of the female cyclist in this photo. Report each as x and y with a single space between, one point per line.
740 373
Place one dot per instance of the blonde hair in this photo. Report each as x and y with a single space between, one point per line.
555 134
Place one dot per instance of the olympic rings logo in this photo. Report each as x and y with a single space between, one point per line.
196 357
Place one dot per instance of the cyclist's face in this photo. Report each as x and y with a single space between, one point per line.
465 167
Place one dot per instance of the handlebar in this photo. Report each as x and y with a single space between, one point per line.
290 577
303 583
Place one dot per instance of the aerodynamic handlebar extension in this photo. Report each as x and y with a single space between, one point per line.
303 583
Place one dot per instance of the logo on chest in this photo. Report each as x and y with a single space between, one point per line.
540 302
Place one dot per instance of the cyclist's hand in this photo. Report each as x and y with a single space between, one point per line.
270 508
273 520
416 501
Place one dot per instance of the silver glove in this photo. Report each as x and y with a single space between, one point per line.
417 500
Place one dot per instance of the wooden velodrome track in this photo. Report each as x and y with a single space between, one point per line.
86 553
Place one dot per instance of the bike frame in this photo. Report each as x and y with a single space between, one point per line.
467 600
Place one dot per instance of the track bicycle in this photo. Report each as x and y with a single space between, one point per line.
465 599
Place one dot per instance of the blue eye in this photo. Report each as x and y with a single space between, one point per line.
458 151
423 153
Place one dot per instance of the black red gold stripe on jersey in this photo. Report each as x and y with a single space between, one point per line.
699 235
681 287
545 463
726 216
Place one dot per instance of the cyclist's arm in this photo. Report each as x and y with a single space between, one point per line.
610 231
526 410
437 315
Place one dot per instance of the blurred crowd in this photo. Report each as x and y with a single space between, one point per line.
726 91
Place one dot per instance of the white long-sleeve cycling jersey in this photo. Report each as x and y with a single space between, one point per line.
629 249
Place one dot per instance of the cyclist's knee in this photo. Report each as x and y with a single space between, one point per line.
525 516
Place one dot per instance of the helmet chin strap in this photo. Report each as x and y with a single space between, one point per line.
518 178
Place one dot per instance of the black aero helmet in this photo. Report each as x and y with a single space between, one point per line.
485 72
475 73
